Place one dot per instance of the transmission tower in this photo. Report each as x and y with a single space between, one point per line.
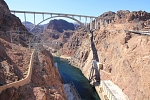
16 34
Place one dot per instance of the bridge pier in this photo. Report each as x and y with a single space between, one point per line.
43 16
34 18
90 23
25 18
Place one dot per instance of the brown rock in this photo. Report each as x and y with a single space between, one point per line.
125 57
9 94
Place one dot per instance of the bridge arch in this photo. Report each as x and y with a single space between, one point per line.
66 17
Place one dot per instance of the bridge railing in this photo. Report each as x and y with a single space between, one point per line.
74 91
112 91
21 82
138 32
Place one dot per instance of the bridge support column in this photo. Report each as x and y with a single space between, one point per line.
43 16
86 21
25 18
90 23
80 18
95 23
34 18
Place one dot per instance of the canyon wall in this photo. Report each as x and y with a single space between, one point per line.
125 56
9 22
141 18
45 82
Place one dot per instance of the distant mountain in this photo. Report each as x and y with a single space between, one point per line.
29 25
76 25
38 29
60 25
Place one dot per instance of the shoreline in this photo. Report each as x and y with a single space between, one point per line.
62 56
65 57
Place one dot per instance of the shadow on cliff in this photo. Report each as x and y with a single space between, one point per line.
95 55
95 76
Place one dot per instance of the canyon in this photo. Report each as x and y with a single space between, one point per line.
125 56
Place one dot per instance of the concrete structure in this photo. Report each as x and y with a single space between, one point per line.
21 82
138 32
95 71
92 19
71 92
107 90
83 20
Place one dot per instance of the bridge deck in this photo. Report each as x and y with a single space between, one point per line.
49 13
139 32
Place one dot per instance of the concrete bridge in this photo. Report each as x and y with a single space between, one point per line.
93 20
81 19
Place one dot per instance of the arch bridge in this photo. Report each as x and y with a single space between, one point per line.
81 19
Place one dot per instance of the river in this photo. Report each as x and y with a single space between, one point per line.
70 73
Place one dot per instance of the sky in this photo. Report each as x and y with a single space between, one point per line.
81 7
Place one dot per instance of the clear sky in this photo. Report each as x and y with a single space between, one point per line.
83 7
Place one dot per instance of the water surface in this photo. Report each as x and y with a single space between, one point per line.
70 73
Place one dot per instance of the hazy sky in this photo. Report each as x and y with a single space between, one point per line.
83 7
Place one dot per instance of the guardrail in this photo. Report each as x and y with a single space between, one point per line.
21 82
139 32
74 91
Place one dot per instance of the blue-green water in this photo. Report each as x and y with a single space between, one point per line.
73 74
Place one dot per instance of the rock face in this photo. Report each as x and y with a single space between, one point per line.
74 42
127 62
57 33
9 94
106 18
60 25
125 56
124 16
14 61
45 85
9 22
4 8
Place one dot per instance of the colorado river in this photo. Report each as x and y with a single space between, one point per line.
73 74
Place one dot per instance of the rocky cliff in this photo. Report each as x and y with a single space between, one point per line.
10 54
45 82
142 18
14 61
57 33
74 42
125 56
9 22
